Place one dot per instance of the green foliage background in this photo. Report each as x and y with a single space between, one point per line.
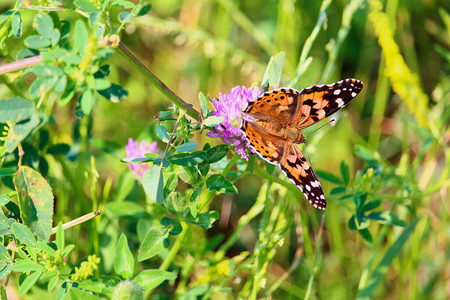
383 164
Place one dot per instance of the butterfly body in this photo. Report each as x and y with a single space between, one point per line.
272 125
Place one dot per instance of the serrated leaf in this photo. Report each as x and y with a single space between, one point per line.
16 25
272 76
386 218
35 201
124 260
219 183
153 183
43 24
153 243
149 279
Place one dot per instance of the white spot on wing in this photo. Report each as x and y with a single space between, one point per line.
337 92
354 94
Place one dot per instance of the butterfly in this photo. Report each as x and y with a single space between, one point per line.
272 125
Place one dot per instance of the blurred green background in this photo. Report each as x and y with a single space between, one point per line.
212 46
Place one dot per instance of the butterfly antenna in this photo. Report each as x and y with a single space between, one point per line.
329 122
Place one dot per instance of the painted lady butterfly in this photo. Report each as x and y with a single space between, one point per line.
273 121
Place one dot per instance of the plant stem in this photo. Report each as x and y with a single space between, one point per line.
135 62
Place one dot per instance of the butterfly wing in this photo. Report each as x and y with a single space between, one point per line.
300 172
277 106
268 147
320 101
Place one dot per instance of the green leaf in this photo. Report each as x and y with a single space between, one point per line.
337 190
58 149
20 131
124 260
345 172
219 183
187 147
23 234
123 3
154 243
386 218
150 279
272 76
153 183
60 243
37 42
213 121
138 11
187 159
162 133
61 84
15 109
329 177
366 291
216 153
204 220
365 154
5 16
43 25
35 201
4 199
80 36
365 234
124 17
26 266
102 284
87 102
115 93
87 6
102 84
16 25
104 145
6 262
29 281
203 104
371 205
7 172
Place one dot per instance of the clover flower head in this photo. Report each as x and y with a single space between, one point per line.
231 107
138 150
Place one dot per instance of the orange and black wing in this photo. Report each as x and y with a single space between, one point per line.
300 172
320 101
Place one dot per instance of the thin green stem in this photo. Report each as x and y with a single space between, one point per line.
135 62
